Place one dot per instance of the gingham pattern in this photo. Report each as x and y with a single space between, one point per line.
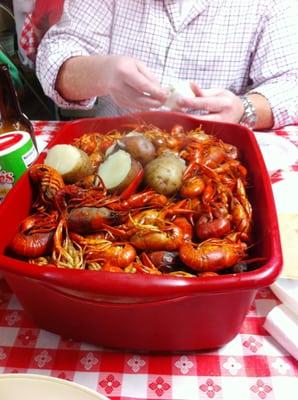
215 45
291 133
252 366
28 40
45 131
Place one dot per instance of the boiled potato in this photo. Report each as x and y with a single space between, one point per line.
118 170
164 173
72 163
139 147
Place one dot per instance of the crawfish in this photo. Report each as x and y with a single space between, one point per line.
96 158
117 254
182 274
230 171
240 219
143 264
199 180
193 154
185 226
177 139
200 136
212 254
97 249
137 266
89 142
145 217
208 227
209 192
48 180
149 219
214 156
73 196
96 240
40 222
192 187
136 221
241 211
163 235
34 238
185 208
177 130
230 150
96 142
241 195
147 197
66 254
33 245
165 261
90 219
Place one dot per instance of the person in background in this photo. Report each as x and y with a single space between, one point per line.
33 19
46 14
241 57
21 10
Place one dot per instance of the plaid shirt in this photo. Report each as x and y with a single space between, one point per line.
234 44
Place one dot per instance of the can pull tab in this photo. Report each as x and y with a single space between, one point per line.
12 117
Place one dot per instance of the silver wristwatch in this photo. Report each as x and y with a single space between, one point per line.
249 116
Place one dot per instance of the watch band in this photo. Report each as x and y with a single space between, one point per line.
249 116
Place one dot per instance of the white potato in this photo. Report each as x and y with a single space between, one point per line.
176 91
72 163
164 173
118 170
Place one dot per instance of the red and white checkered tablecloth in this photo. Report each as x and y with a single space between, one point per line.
253 366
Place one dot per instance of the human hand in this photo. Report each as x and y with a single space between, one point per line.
220 104
130 83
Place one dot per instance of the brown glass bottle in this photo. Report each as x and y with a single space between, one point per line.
11 116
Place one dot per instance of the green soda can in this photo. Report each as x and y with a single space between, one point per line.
17 152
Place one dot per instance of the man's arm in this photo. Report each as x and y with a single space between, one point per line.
83 70
126 80
83 30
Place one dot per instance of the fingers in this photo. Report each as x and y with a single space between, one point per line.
215 104
212 117
131 84
143 81
210 104
199 92
196 89
131 98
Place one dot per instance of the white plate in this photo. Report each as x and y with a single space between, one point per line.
287 292
40 387
278 152
285 193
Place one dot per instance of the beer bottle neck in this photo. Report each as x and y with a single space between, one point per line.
10 109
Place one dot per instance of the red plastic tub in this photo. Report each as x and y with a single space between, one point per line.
145 312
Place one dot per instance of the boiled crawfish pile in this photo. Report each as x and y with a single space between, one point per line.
203 230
